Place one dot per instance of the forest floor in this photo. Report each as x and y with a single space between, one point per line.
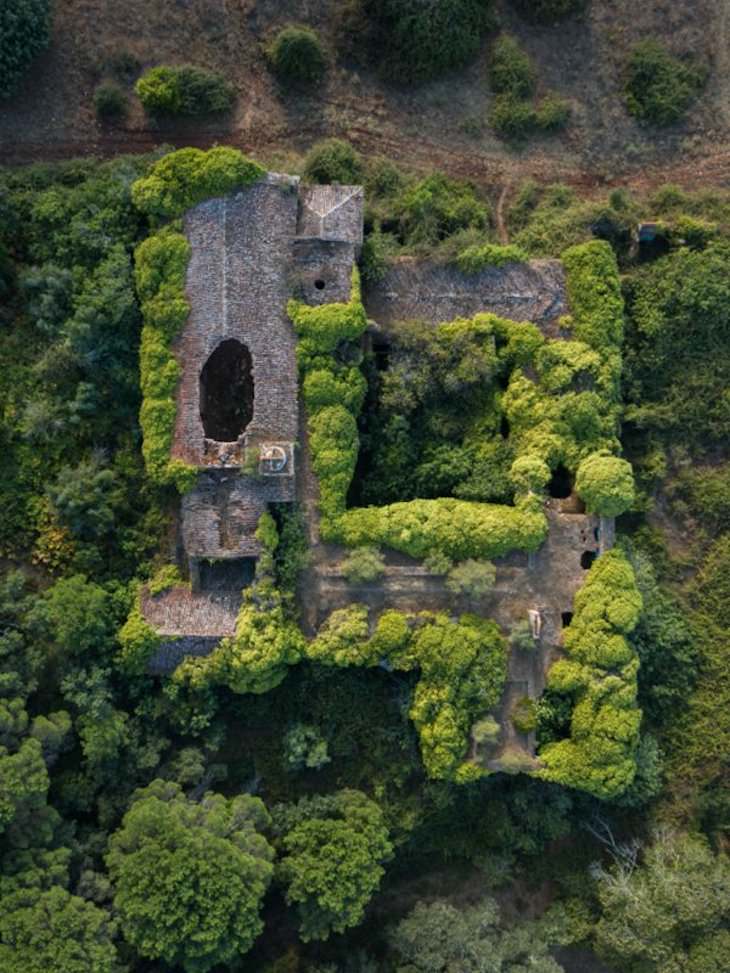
440 125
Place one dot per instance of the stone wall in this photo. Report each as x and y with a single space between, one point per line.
421 290
238 284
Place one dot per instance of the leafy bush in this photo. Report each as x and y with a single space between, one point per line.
520 637
304 746
606 484
415 41
524 715
552 113
659 87
600 673
187 177
458 528
184 90
110 101
515 119
510 69
476 258
333 161
25 30
363 565
296 56
548 11
436 207
475 579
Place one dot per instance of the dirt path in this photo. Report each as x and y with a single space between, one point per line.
483 168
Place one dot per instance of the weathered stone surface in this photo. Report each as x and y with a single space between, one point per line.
331 213
180 611
323 270
169 655
219 517
420 290
238 286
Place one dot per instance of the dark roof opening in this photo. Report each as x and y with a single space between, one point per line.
319 284
566 618
587 558
561 483
230 574
226 392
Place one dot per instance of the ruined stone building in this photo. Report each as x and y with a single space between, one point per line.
237 400
238 419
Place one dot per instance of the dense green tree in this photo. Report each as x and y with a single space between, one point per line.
333 849
675 903
439 938
25 29
23 784
56 932
189 878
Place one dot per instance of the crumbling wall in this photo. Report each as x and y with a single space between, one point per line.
425 291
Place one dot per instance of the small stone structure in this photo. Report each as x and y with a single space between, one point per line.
425 291
237 414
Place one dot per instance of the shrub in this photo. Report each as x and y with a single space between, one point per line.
476 258
304 746
363 565
184 90
458 528
110 101
520 637
187 177
524 715
25 30
552 113
486 731
510 69
659 87
436 207
296 56
606 484
515 119
512 118
333 161
600 674
472 578
548 11
416 40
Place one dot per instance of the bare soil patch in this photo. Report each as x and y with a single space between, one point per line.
438 125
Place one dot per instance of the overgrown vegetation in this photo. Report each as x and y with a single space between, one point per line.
25 30
129 830
297 56
184 90
412 42
660 87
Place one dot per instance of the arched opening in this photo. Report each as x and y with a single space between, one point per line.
561 483
319 284
587 558
566 618
226 392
